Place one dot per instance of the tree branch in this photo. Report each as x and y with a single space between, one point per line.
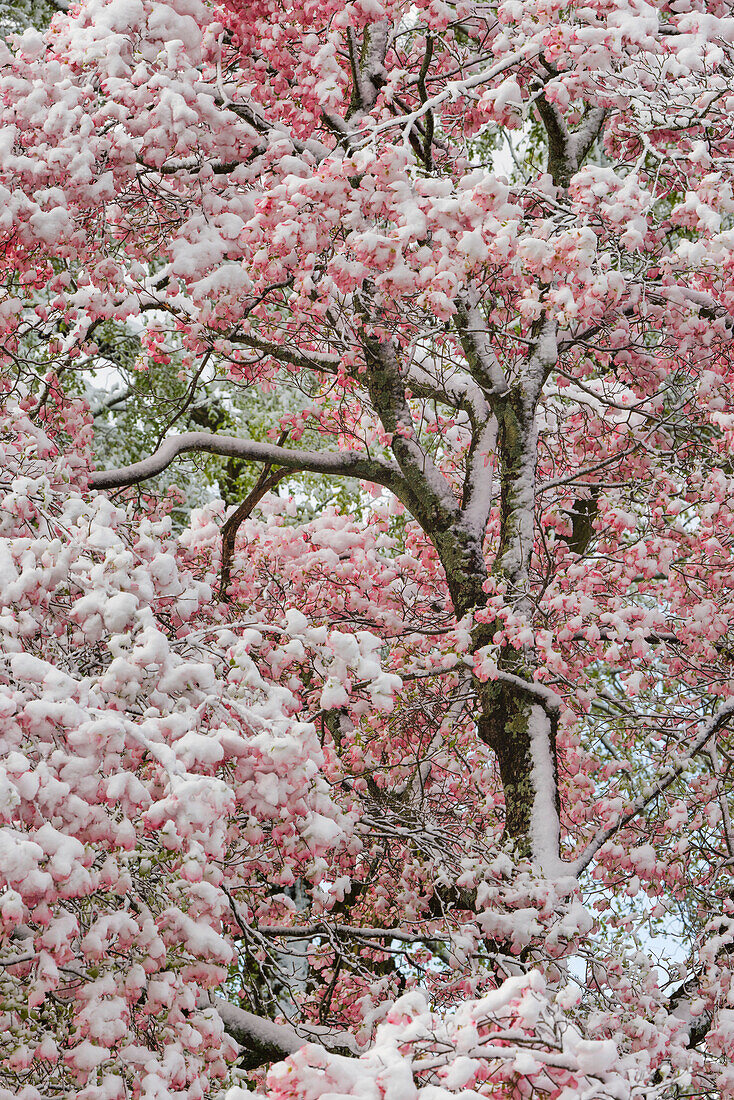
561 161
459 391
681 1005
264 126
587 133
368 73
478 483
566 149
312 360
335 463
484 366
453 89
267 481
667 776
433 502
263 1041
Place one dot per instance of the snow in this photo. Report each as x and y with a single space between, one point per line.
333 695
323 833
119 610
544 823
24 666
51 226
118 16
594 1056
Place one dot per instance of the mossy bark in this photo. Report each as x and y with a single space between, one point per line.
503 721
504 708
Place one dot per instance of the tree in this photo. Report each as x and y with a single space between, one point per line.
515 664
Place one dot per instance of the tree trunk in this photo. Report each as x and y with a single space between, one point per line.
505 709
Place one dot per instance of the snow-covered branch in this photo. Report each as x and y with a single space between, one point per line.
666 777
567 148
263 1041
368 73
267 127
545 829
340 464
305 360
478 484
483 363
385 381
458 391
455 88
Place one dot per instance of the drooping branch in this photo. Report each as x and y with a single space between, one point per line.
262 125
318 928
304 360
262 1040
705 303
335 463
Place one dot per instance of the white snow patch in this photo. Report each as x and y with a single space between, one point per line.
544 825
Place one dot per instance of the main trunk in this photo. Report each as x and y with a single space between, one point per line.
504 719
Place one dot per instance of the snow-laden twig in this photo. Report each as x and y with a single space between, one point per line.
667 775
455 88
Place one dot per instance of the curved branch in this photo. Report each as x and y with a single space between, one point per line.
335 463
459 391
432 501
